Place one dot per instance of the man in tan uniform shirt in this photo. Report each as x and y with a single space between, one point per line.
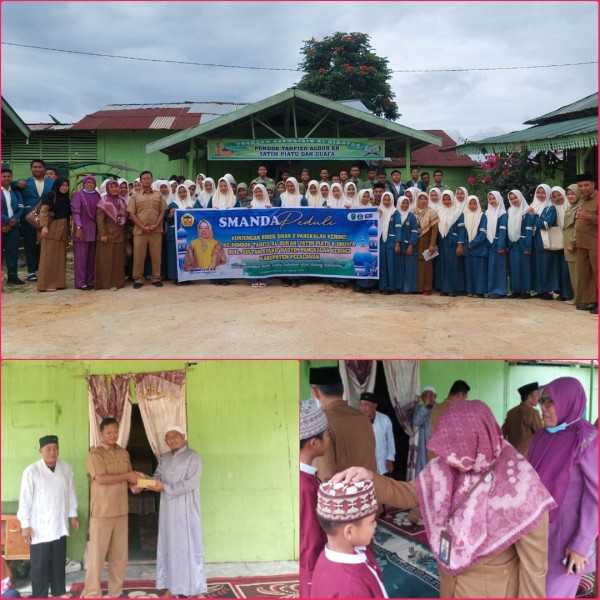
352 441
523 421
110 472
147 209
586 234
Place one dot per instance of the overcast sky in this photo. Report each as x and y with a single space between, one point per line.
412 35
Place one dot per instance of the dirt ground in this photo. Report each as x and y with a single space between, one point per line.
314 321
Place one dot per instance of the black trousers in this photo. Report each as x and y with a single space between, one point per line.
48 567
32 249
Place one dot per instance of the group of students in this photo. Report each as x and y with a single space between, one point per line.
436 239
499 524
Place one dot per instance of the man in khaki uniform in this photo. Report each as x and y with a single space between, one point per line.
110 472
352 441
458 391
146 209
523 421
586 234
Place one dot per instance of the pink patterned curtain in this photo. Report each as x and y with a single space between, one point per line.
161 397
358 376
109 396
402 378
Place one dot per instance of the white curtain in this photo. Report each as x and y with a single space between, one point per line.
161 397
402 378
109 396
358 376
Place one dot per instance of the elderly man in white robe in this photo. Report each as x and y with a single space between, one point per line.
180 553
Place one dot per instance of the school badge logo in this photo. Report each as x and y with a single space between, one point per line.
187 220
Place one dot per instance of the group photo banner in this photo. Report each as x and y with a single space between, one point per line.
277 242
297 148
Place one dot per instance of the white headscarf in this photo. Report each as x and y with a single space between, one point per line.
314 200
229 178
435 205
188 202
351 200
204 196
538 206
221 200
359 196
448 215
265 202
472 218
403 213
414 191
493 214
515 216
560 208
294 199
340 202
386 215
200 184
102 189
187 184
324 184
464 202
156 187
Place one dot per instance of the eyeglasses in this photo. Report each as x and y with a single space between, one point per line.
546 401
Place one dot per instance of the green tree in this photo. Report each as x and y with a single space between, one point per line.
343 66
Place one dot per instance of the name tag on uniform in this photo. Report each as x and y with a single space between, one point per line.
445 547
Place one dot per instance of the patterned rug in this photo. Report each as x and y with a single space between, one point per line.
278 586
408 567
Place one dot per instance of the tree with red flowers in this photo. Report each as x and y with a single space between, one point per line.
343 66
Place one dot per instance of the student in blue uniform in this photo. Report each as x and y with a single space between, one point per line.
409 236
520 239
451 241
12 209
476 248
544 263
559 200
364 286
496 236
389 244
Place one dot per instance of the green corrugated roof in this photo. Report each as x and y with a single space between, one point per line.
575 133
588 105
179 142
11 120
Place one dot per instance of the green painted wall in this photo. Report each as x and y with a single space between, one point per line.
493 381
129 147
242 419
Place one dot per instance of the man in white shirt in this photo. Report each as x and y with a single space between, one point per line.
46 504
385 448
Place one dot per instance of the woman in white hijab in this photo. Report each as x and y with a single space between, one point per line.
520 241
313 196
451 245
389 244
337 199
260 199
460 196
324 191
364 286
192 188
435 198
200 182
223 197
208 189
560 202
412 193
476 249
409 236
351 194
544 262
497 221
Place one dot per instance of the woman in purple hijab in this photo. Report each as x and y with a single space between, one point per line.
565 455
83 210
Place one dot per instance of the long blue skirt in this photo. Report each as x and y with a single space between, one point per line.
476 274
409 281
520 271
545 270
387 268
497 284
565 288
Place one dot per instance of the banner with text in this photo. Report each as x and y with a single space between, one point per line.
297 148
277 242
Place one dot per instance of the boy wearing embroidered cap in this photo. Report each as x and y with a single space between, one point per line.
346 569
314 441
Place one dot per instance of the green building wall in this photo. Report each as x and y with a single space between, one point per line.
493 381
242 419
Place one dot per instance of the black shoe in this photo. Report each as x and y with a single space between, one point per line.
594 311
367 291
545 296
525 296
295 283
137 286
15 281
586 306
514 295
358 290
225 282
32 277
287 284
157 283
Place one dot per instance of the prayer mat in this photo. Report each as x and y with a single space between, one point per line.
277 586
393 520
409 569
